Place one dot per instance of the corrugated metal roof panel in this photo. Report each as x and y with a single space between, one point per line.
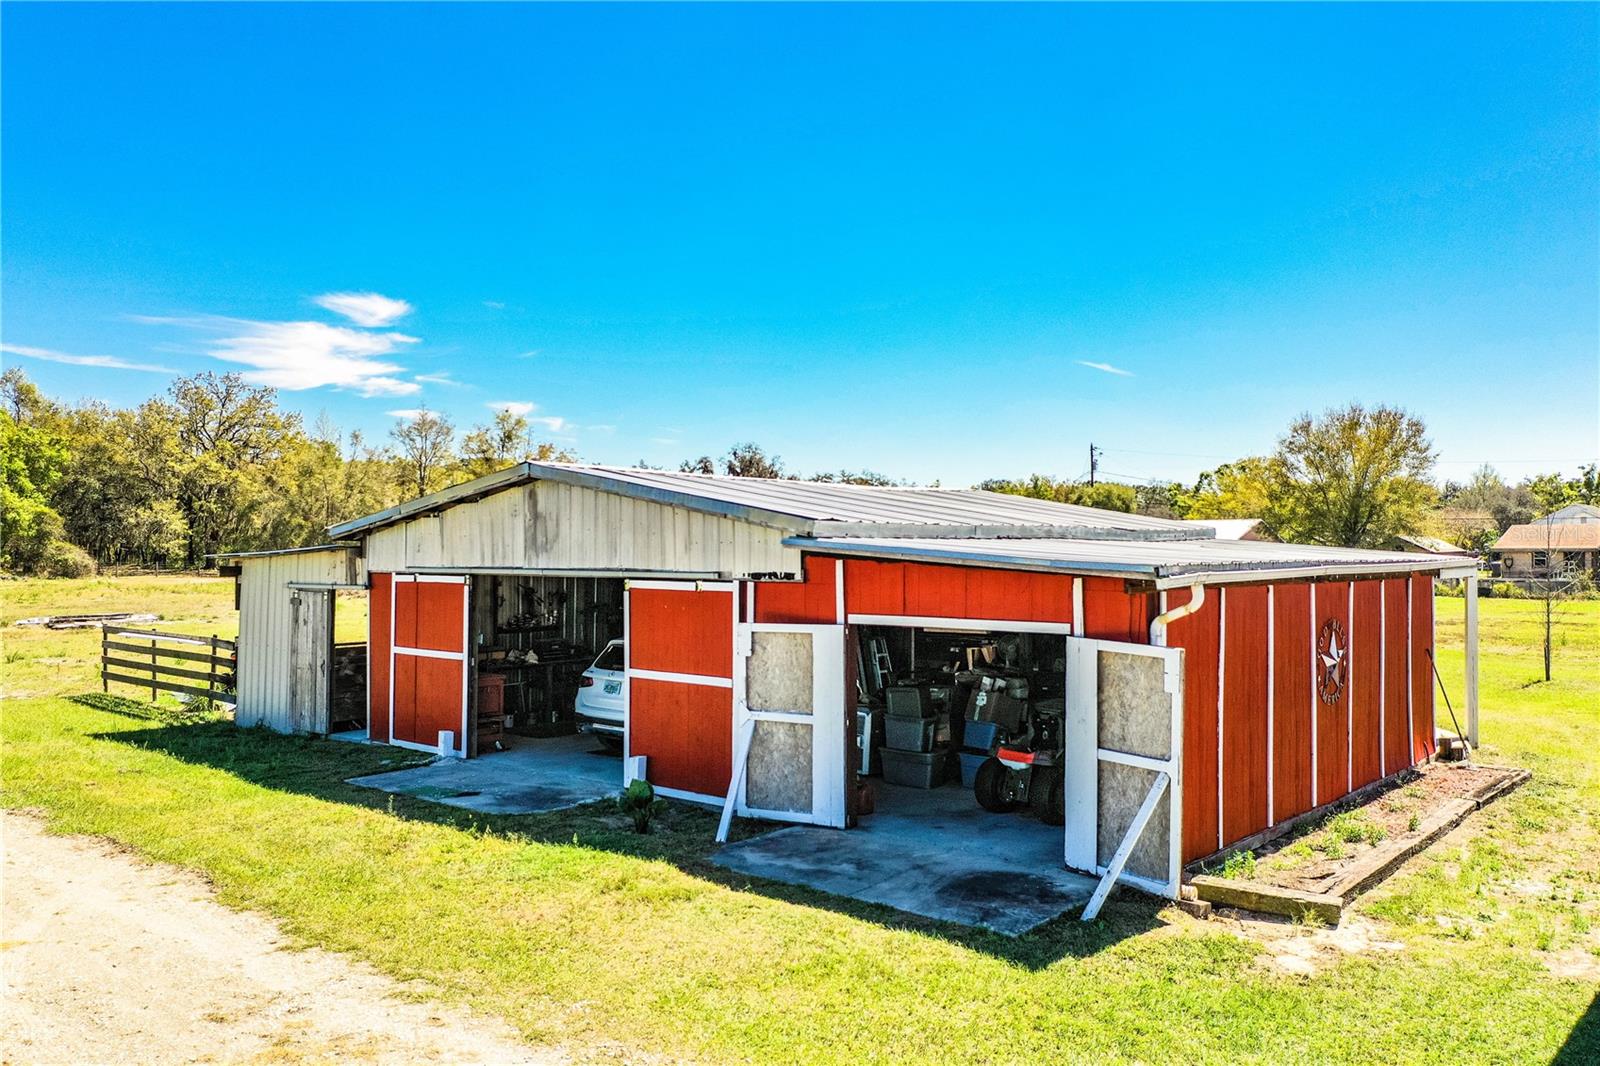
813 507
1163 561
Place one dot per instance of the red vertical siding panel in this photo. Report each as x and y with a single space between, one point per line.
440 613
1397 739
686 732
1332 599
1197 636
378 656
1110 613
874 588
936 591
1052 598
687 632
405 613
1366 666
1000 594
811 601
1244 710
1422 686
1291 700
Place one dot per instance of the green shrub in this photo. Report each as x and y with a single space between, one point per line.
1240 866
1505 590
65 559
639 802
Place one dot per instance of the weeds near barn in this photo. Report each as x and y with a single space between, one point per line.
585 935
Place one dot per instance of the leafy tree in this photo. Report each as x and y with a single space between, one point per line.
741 460
748 460
427 450
31 459
1241 489
505 441
862 477
1106 495
1352 477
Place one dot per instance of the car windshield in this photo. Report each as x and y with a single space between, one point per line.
610 659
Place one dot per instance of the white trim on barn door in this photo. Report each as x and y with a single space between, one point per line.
976 624
1082 764
629 673
826 721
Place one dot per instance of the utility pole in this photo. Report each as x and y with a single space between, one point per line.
1094 462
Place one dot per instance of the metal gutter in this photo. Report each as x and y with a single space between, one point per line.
1183 577
1132 571
221 556
1000 532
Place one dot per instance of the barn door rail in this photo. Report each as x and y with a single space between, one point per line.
169 662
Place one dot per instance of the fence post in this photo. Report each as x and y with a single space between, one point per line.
211 680
105 686
153 675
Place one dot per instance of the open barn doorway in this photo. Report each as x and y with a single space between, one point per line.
486 670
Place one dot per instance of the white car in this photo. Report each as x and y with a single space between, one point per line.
599 704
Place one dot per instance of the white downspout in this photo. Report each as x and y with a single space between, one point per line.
1158 625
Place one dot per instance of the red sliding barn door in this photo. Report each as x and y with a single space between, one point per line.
428 661
379 606
679 649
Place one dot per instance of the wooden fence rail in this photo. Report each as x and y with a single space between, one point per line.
125 651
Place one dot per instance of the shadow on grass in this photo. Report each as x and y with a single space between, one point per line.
683 837
1583 1043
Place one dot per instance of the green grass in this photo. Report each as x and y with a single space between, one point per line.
581 933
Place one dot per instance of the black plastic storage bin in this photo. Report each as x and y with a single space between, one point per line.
908 734
918 769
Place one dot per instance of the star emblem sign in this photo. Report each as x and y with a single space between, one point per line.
1332 653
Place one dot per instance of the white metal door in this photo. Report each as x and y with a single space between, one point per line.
789 723
1124 740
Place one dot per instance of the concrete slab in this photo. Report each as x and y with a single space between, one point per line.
933 853
531 777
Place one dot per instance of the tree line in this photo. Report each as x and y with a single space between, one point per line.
216 464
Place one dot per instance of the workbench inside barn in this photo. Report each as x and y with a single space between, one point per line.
534 636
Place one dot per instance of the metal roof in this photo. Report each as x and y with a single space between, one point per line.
815 508
1167 563
1558 535
222 557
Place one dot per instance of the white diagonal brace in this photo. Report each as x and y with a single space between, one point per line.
741 756
1120 859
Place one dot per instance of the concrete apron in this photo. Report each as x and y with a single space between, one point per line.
532 777
933 853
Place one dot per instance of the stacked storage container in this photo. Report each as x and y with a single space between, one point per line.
916 749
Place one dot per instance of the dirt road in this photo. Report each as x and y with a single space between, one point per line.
105 958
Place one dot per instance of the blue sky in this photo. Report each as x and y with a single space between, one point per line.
895 237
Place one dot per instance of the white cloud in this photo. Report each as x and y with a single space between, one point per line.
494 305
407 413
365 308
516 407
308 355
554 424
103 362
441 378
1106 368
530 353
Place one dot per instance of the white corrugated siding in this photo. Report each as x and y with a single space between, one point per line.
264 623
552 526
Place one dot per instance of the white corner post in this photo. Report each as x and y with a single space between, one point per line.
1471 598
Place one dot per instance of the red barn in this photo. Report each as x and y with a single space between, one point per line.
1200 692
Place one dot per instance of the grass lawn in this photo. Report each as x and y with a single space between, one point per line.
584 935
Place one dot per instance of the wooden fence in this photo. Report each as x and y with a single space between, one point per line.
152 655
